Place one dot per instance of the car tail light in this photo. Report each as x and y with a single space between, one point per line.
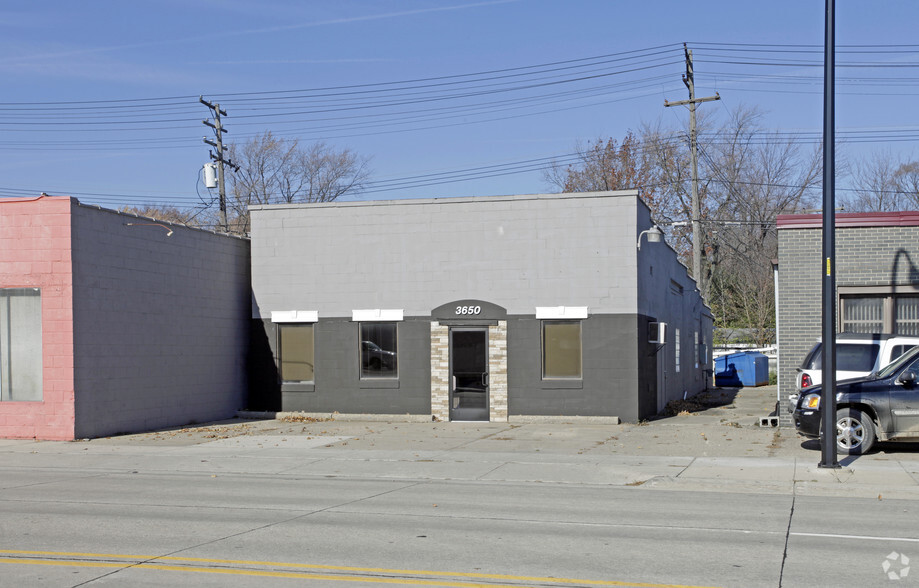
806 381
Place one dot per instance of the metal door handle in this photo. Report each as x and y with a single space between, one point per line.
485 379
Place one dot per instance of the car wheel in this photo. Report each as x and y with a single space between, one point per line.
854 431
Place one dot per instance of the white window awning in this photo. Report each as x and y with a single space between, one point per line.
294 316
377 314
561 312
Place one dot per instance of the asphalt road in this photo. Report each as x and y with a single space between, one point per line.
66 526
455 504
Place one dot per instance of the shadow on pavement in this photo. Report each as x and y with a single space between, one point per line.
882 448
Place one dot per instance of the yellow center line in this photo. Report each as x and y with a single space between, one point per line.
143 562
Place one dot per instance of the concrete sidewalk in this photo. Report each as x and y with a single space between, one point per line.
714 444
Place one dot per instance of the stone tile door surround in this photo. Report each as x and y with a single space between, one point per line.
497 366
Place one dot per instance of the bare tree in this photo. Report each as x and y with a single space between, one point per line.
754 175
875 182
906 179
883 183
748 176
651 165
602 165
275 170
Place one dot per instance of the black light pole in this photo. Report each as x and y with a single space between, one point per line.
828 401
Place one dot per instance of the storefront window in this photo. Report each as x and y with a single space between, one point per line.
379 351
863 315
884 313
908 315
20 345
296 352
561 349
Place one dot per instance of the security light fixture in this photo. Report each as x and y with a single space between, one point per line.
655 234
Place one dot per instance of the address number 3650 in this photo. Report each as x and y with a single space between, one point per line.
468 310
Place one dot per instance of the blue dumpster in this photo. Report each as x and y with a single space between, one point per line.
747 368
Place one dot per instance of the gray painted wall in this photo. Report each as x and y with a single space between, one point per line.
516 251
610 370
667 293
337 385
865 256
160 324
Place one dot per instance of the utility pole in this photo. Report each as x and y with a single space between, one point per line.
828 453
218 157
693 149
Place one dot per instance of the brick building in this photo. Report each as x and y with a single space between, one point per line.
877 280
112 323
497 308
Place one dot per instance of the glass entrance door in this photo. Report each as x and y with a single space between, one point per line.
468 374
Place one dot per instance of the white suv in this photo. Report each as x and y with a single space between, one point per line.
857 355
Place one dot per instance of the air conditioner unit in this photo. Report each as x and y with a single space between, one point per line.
657 333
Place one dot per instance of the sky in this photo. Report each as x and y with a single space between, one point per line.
99 99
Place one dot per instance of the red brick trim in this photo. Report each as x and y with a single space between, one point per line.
850 220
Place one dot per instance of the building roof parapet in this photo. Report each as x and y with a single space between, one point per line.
447 200
908 218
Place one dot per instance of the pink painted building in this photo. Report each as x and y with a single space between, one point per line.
112 323
36 290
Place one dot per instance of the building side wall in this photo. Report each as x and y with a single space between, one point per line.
668 294
35 253
161 323
865 256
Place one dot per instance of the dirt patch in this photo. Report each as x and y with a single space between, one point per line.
700 402
296 418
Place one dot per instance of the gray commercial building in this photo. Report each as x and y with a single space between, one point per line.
877 281
486 308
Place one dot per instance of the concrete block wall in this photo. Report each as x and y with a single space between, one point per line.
668 294
417 254
161 323
871 250
35 253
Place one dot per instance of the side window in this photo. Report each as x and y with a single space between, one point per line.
296 352
898 350
20 344
856 357
676 348
914 367
862 314
907 315
695 349
561 349
379 350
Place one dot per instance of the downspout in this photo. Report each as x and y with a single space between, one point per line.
778 352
